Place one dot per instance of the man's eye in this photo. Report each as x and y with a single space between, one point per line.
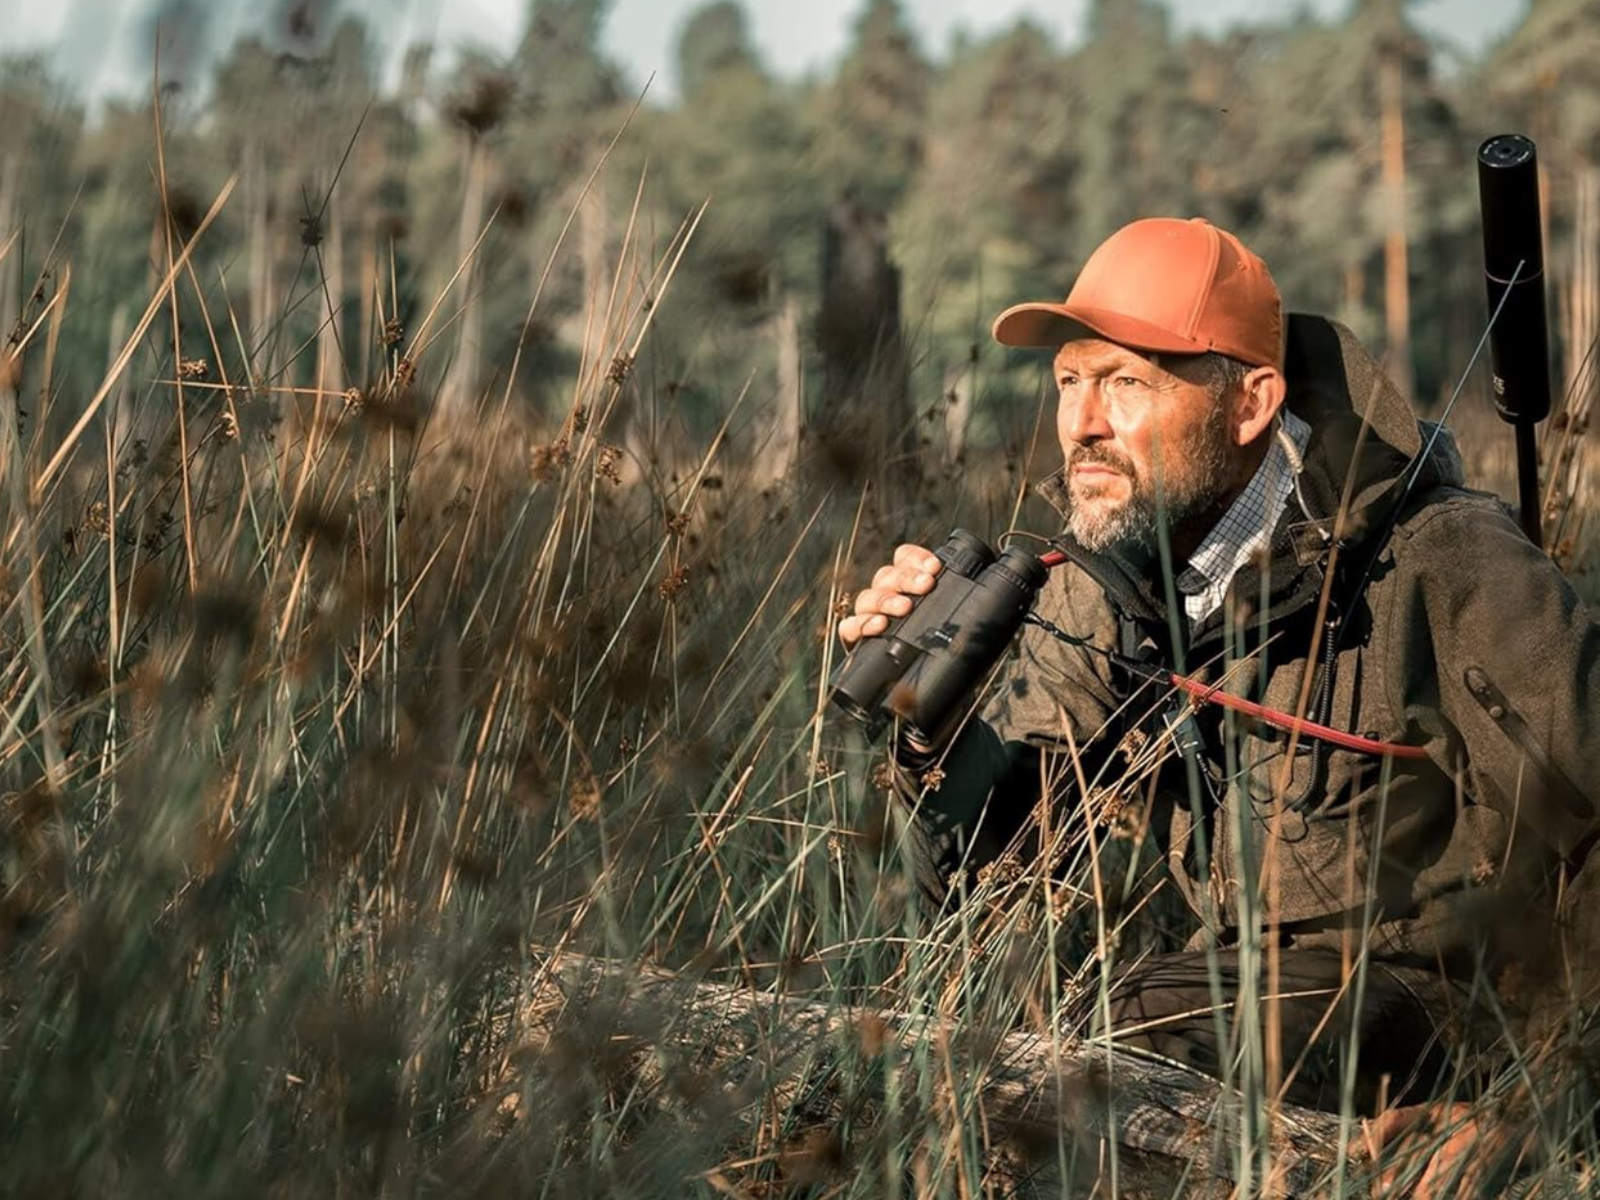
1068 381
1124 381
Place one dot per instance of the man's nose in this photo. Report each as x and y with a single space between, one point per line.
1085 415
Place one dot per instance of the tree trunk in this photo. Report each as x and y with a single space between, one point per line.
263 291
866 433
1043 1103
1396 283
782 451
1583 292
459 392
11 264
369 281
957 412
123 410
1569 492
330 349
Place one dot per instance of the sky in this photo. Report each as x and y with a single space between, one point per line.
97 44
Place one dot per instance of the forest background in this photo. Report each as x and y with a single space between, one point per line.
1342 150
426 509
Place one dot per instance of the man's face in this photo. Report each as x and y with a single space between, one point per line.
1143 446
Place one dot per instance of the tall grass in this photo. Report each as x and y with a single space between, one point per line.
332 734
329 727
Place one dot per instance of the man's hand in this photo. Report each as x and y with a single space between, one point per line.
911 574
1459 1150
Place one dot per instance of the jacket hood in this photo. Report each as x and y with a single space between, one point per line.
1366 445
1365 437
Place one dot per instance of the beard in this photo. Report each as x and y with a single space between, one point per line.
1194 479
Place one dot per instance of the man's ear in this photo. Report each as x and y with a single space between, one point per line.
1259 398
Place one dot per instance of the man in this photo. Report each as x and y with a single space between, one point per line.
1401 820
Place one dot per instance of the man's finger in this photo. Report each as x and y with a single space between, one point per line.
882 600
853 629
917 558
910 579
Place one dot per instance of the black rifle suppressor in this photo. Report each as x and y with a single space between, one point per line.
1519 339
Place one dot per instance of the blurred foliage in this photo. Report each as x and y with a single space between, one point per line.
998 166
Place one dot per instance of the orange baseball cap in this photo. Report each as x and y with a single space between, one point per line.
1167 285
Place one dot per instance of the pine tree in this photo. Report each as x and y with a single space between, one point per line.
868 121
1141 134
559 65
1311 153
714 40
991 217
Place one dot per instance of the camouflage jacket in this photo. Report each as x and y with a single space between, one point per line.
1445 629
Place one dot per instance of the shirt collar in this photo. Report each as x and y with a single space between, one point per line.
1247 525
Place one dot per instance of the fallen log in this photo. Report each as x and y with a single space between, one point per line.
1057 1116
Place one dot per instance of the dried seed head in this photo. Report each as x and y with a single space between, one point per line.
318 524
483 104
547 460
1133 744
221 614
514 206
392 227
583 800
193 368
673 584
155 538
621 368
1005 869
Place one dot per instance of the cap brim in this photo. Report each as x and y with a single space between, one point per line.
1042 326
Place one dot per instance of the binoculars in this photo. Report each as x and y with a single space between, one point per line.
924 666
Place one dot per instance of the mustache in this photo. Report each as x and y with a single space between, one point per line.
1100 456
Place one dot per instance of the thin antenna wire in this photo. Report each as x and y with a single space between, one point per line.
1422 455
